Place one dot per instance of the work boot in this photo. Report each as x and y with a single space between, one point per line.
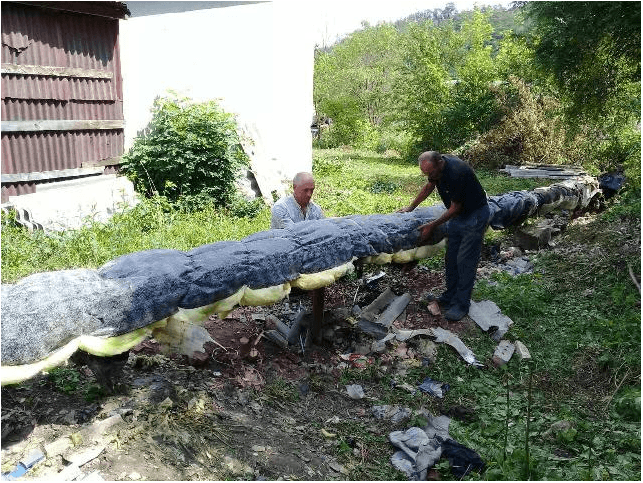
455 313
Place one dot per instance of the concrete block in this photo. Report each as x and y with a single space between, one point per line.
522 351
502 354
533 238
58 446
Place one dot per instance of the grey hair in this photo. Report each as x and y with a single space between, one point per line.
301 177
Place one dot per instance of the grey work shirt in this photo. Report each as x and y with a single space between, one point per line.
287 211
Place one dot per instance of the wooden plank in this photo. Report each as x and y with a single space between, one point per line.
53 71
318 314
45 175
102 162
62 125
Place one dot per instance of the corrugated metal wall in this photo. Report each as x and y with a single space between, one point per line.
62 96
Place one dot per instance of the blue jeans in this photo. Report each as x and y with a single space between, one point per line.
464 245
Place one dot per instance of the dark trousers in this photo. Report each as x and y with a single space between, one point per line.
464 245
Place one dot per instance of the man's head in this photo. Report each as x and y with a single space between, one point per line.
431 164
303 185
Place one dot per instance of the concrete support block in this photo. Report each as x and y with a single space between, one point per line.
522 351
503 353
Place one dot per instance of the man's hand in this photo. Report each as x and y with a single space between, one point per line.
426 231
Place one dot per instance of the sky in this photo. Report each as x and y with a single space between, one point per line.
340 17
331 18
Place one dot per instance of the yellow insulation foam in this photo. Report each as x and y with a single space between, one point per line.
265 296
99 346
180 330
313 281
405 256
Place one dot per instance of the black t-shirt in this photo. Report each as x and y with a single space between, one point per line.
459 183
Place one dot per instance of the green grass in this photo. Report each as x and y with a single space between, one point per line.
351 182
579 315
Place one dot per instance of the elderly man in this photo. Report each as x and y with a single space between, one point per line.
298 206
468 216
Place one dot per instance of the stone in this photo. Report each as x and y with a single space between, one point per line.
427 348
522 351
533 237
355 391
502 354
58 446
433 308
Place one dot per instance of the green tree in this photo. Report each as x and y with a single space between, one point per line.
593 50
473 108
445 87
352 83
422 88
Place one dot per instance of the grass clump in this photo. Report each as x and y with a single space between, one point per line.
153 223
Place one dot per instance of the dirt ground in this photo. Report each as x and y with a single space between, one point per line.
229 414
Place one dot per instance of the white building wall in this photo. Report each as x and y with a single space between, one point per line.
256 59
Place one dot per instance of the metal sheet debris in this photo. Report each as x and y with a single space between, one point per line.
447 337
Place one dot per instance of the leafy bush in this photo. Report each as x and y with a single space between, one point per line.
530 132
628 403
393 140
188 149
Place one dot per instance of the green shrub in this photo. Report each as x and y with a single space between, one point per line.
188 149
530 132
628 403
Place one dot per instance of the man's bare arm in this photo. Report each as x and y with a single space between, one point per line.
424 193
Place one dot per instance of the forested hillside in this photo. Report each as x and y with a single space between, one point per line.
541 82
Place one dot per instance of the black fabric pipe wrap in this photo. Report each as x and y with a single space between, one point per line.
44 311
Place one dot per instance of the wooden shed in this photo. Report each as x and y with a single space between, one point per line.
62 92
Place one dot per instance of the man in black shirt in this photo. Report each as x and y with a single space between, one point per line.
468 217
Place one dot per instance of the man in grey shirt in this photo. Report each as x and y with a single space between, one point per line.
298 206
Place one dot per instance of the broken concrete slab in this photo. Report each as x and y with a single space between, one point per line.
58 446
544 171
84 457
391 307
402 335
521 351
534 237
502 354
277 338
489 318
